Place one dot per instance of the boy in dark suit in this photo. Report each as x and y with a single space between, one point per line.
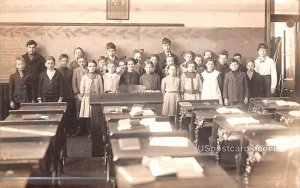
235 87
18 85
254 80
68 94
34 67
50 84
166 45
111 52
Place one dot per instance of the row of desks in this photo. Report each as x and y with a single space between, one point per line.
117 158
208 127
32 144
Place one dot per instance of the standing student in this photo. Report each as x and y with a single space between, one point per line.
68 95
130 76
90 83
188 57
111 79
101 67
169 61
235 88
150 79
18 85
50 83
78 52
111 52
154 59
35 65
255 83
76 81
200 64
121 66
211 82
170 87
266 67
222 65
190 86
208 54
138 67
166 45
238 57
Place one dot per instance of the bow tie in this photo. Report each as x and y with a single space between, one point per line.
190 74
262 61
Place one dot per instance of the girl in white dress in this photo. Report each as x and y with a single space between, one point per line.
211 82
170 86
90 83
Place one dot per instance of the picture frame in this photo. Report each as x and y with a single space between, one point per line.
117 9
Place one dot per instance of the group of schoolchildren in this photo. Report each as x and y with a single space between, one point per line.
204 77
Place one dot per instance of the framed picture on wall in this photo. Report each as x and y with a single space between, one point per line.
117 9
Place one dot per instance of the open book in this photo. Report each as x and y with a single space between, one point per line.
225 110
284 143
242 121
175 141
135 174
186 167
129 144
34 117
160 127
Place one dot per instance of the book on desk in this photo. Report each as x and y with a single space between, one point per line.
34 117
128 144
157 168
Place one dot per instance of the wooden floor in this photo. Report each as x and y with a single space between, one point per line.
81 170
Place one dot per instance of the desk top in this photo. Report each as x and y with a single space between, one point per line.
23 131
206 114
214 176
17 118
239 128
40 109
16 175
285 113
140 131
49 104
199 104
126 115
126 98
152 151
269 103
259 137
29 150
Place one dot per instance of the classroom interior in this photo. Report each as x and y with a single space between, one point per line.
37 152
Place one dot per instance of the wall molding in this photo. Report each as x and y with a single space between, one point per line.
91 24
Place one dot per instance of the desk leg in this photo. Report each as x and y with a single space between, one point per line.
97 123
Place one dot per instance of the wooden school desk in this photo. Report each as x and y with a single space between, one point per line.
138 131
201 123
37 130
230 135
265 105
15 175
268 165
120 155
33 151
53 123
288 116
213 176
184 111
99 101
42 108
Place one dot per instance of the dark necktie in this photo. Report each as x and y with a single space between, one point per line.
192 85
